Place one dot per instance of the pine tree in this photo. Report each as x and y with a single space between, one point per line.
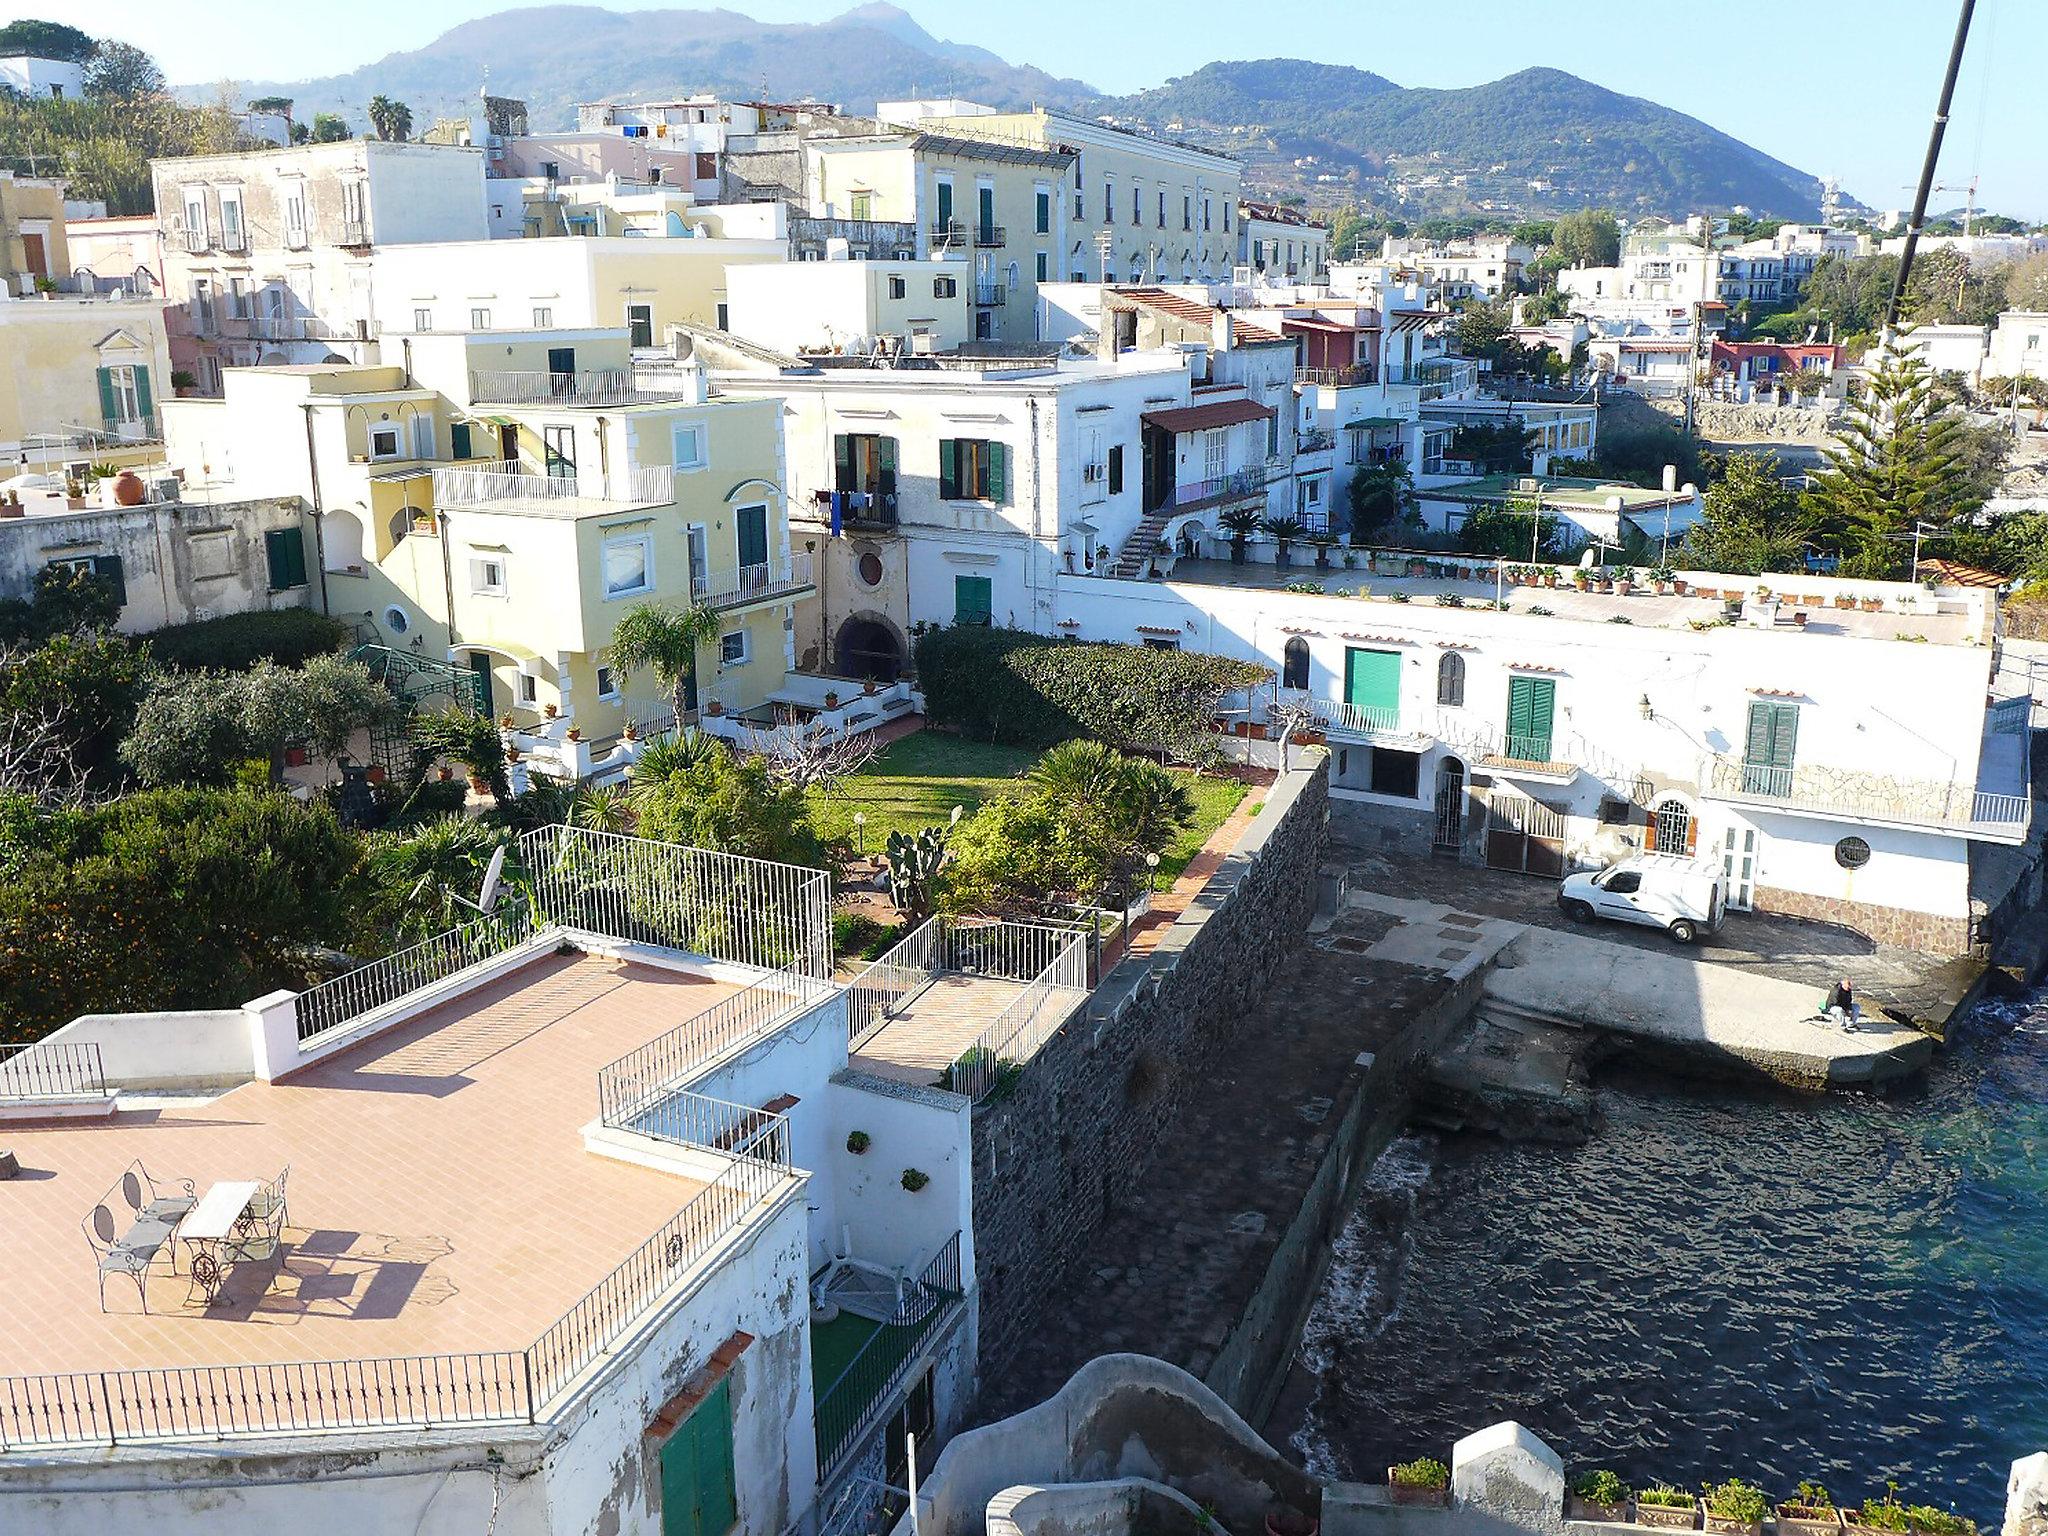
1898 460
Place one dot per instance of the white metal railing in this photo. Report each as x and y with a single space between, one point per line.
508 481
630 1086
1875 797
752 583
716 1125
887 984
1336 715
350 996
1033 1015
603 386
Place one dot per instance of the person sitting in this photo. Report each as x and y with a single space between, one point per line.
1840 1007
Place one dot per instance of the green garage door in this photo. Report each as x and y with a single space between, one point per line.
697 1496
1372 687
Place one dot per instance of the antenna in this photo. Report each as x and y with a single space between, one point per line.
487 898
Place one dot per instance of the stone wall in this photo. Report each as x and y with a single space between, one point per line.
1087 1113
1886 925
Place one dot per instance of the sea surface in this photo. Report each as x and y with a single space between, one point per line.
1849 1288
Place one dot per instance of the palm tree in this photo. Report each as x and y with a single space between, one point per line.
391 119
419 875
655 638
1128 807
675 754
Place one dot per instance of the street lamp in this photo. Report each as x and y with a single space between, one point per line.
1151 871
860 830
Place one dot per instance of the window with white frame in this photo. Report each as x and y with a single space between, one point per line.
732 649
607 685
487 575
689 445
127 400
295 215
422 319
422 436
628 566
543 316
529 689
479 318
195 219
231 237
385 440
1215 453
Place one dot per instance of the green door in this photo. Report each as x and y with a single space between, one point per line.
486 700
1532 703
753 536
697 1497
1768 747
973 600
1372 686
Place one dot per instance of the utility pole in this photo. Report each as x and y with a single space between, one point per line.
1927 167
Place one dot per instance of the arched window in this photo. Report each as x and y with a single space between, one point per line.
1450 679
1672 828
1294 664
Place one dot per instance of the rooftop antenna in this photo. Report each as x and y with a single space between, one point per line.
1948 91
487 898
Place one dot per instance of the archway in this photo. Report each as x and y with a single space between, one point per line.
868 646
1673 828
1294 664
1450 805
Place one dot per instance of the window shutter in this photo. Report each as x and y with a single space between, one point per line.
285 552
999 473
1650 834
143 402
108 569
458 440
1116 469
888 461
1784 734
842 462
949 469
107 406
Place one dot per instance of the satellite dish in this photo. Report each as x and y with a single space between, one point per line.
488 897
1586 560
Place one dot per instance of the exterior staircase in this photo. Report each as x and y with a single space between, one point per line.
1144 539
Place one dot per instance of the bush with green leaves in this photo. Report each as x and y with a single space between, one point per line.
1011 686
1423 1472
1664 1496
720 800
67 600
1601 1487
67 704
194 727
1737 1500
235 642
418 880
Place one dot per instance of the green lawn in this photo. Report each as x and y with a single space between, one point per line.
917 781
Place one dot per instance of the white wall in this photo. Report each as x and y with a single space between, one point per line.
424 192
165 1050
915 1128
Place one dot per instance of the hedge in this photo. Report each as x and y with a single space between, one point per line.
237 641
1010 686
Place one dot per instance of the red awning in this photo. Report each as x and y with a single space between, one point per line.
1197 418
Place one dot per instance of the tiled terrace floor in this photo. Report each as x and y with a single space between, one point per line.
440 1196
944 1021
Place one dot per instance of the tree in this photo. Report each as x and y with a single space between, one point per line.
469 739
1587 238
1550 304
68 600
47 40
1504 531
271 104
1482 328
1534 233
1382 500
328 129
1750 521
652 637
391 119
420 880
195 727
122 72
1946 289
2026 284
729 803
1897 461
1503 448
65 706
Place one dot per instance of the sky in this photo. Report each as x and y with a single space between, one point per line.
1832 86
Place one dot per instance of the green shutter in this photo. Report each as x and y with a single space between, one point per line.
458 440
108 569
973 600
945 203
1372 684
949 469
842 462
285 551
143 401
888 465
1532 705
999 473
107 407
753 536
698 1497
1769 746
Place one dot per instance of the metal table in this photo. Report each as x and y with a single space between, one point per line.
214 1227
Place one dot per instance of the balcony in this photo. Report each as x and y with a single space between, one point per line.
1437 377
1338 378
510 484
1314 440
1238 485
988 295
750 584
601 386
354 232
1379 727
857 509
1996 813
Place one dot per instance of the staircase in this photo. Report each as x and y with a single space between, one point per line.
1144 539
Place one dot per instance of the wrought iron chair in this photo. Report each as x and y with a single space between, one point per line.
149 1205
119 1252
261 1232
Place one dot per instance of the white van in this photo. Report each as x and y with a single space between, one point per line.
1684 897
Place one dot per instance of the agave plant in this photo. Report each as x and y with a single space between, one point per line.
673 754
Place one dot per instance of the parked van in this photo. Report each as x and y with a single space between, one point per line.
1684 897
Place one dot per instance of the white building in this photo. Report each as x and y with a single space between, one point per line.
45 79
1483 267
2018 346
1281 244
1955 349
852 306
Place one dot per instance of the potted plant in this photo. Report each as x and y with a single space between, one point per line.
1550 577
869 688
1324 543
1661 578
1736 1508
1811 1513
1283 531
1582 579
1926 1520
1603 580
1872 605
1240 523
443 772
629 731
831 698
551 710
505 720
574 733
1845 599
1667 1508
716 707
1288 1522
1350 559
858 1142
1424 1480
1878 1517
1600 1495
915 1179
1624 579
183 382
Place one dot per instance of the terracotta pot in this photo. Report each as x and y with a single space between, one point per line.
1402 1493
444 773
574 733
479 785
1725 1526
714 709
1665 1517
1287 1523
129 490
551 710
295 757
1624 587
1844 602
869 689
1577 1508
1806 1520
831 700
1678 585
375 775
1873 605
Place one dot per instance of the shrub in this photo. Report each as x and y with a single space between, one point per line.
855 933
1929 1521
1885 1514
1664 1496
1737 1500
1010 686
1601 1487
237 641
1423 1472
857 1142
915 1179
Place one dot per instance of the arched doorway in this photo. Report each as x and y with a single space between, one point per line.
1673 828
1450 806
868 646
1294 665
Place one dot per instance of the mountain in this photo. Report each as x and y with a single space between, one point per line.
1579 142
554 56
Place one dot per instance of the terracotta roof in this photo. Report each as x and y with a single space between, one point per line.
1193 313
1952 573
1195 418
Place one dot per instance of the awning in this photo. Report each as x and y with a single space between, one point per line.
1334 327
1373 421
1198 418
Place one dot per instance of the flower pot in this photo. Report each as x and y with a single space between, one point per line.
129 490
869 689
295 757
831 700
1813 601
1725 1525
479 785
550 710
376 774
631 732
1286 1522
1855 1527
444 773
1806 1520
1577 1508
1666 1517
574 733
1663 588
1842 601
1678 585
1624 587
714 708
1604 586
1404 1493
1873 605
1550 578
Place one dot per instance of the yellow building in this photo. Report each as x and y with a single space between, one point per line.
503 504
80 378
31 232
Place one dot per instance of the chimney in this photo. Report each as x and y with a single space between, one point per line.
1220 330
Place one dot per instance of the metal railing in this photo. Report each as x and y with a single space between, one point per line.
52 1069
499 481
1870 796
601 386
714 1125
754 583
630 1085
865 1391
889 983
1314 440
1525 747
1337 378
1238 483
1356 720
355 994
988 294
1032 1016
990 234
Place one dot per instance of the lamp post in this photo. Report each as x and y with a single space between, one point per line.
860 831
1151 872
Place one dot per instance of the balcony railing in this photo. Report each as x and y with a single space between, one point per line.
627 1089
354 232
756 583
59 1069
990 234
857 1399
1436 378
602 386
356 994
1238 485
871 509
1357 720
650 485
1314 440
1034 1014
988 294
1340 378
1854 794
